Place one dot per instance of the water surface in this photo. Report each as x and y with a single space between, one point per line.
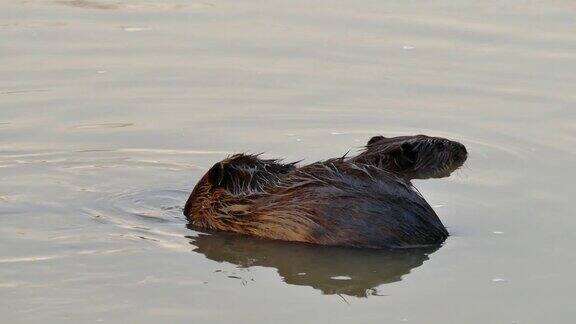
110 111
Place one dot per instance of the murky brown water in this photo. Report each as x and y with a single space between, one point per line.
110 111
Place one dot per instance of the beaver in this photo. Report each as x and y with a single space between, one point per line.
363 201
413 157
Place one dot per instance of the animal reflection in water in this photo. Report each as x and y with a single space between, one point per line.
332 270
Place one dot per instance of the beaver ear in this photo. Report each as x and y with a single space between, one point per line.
217 174
375 139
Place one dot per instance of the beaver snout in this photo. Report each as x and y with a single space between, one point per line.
459 152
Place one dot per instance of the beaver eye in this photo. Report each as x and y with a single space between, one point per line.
440 145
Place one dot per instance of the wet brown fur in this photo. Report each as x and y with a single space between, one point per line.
351 202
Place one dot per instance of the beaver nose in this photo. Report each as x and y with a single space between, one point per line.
460 152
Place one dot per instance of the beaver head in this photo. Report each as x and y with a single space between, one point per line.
414 157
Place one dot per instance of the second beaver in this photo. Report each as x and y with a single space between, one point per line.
413 157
